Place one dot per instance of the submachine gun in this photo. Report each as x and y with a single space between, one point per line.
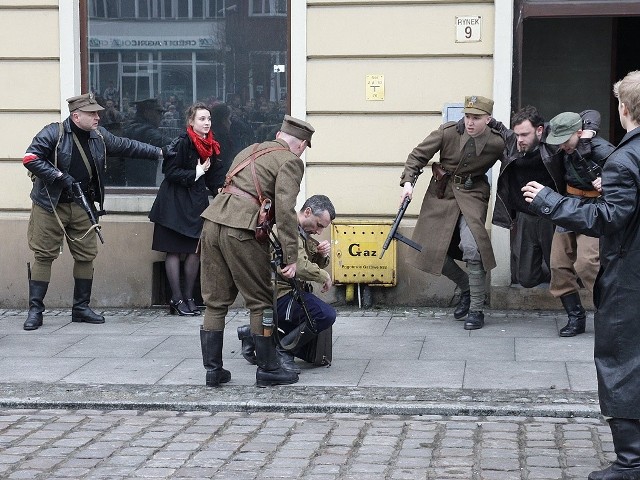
80 198
310 327
393 233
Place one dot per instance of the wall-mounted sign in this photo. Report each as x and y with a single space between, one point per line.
469 29
375 87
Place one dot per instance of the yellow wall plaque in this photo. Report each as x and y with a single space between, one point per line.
375 87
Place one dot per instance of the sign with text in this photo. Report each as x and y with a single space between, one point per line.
469 29
375 87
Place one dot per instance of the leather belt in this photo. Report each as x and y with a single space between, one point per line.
233 190
582 193
461 179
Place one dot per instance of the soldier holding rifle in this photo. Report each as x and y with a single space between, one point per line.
60 155
452 218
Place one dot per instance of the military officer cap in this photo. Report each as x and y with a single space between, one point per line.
85 103
149 104
562 126
297 128
478 105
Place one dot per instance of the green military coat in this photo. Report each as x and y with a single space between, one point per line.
438 217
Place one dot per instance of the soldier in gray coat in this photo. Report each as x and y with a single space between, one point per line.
615 218
233 260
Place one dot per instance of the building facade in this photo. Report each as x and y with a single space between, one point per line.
373 77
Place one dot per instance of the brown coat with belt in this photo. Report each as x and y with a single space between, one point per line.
280 173
439 216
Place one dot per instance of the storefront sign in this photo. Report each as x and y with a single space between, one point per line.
158 43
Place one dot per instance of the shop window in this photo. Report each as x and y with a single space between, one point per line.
220 51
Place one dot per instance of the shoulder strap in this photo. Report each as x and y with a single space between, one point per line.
250 160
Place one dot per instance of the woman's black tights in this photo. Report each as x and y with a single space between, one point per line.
172 267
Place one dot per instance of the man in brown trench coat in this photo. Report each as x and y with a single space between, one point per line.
454 210
234 261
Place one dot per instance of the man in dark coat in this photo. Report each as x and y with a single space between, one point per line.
145 127
233 260
454 210
615 219
528 158
61 155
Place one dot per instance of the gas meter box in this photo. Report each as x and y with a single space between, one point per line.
355 252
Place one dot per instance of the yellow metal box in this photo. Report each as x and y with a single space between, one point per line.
356 252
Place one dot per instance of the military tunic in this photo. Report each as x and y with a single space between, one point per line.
232 260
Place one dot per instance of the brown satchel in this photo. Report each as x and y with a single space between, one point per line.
442 177
266 212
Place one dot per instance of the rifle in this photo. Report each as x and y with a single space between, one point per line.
278 262
80 198
393 233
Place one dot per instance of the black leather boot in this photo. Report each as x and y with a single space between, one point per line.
269 371
287 360
37 291
474 321
211 343
248 344
626 443
81 311
577 316
462 308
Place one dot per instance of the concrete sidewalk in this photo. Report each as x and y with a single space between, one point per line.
414 360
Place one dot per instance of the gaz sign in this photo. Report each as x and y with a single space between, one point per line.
468 29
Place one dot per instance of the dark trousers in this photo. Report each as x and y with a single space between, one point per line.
291 314
531 249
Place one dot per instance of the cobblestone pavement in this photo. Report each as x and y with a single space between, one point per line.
123 444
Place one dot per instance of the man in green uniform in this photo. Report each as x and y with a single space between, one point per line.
452 218
234 261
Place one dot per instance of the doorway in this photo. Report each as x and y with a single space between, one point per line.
566 60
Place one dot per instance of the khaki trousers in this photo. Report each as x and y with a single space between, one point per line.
45 238
573 256
232 261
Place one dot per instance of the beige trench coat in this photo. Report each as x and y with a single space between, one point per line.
438 217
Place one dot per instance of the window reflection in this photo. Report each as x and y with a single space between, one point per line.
171 53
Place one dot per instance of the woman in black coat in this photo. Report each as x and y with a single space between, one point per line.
182 197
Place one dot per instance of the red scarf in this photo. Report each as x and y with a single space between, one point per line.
205 146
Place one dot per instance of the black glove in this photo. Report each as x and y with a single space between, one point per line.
66 181
460 126
493 123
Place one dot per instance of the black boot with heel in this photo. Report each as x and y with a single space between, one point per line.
269 371
81 311
576 313
211 343
37 291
